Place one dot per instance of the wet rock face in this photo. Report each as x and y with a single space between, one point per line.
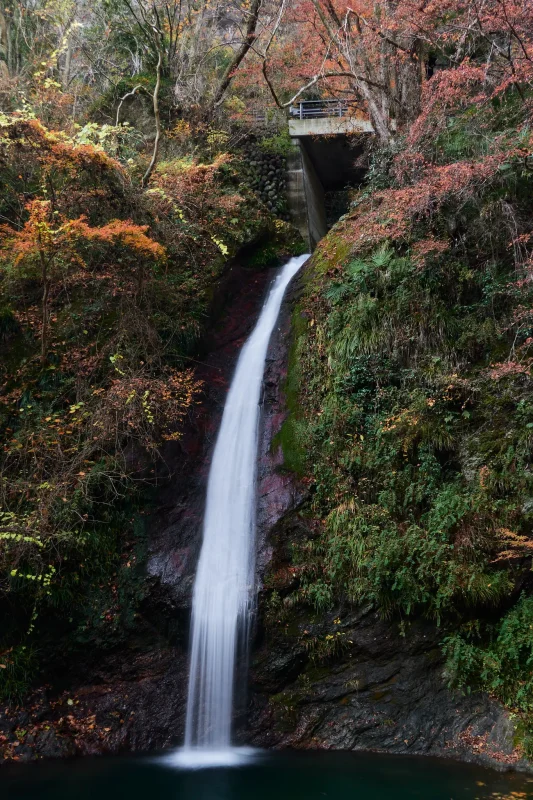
383 692
278 491
175 536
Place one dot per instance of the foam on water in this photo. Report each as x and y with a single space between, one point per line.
201 758
224 594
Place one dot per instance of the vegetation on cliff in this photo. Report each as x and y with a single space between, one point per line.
414 418
129 178
104 298
113 238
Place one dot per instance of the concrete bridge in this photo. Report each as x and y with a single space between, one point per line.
329 143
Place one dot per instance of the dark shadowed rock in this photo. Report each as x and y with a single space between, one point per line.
384 691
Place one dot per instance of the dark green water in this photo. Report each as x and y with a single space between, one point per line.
309 776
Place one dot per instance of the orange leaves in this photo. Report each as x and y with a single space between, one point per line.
48 235
37 234
428 247
514 545
448 91
54 150
391 213
124 232
509 369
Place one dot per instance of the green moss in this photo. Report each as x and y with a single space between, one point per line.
290 437
338 252
279 144
285 709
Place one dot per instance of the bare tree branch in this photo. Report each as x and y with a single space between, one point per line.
125 97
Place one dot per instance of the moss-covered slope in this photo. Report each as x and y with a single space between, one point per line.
414 415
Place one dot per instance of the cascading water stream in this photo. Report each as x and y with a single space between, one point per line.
223 595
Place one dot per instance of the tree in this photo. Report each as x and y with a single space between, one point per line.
4 71
380 56
48 246
354 49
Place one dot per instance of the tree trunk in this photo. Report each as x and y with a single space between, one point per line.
65 78
4 71
249 39
45 278
147 174
45 315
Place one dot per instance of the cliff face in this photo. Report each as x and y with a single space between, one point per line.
378 685
384 692
375 685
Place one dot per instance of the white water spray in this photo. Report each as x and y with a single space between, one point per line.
224 587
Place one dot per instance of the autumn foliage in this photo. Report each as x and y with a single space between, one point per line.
400 63
49 245
105 291
98 308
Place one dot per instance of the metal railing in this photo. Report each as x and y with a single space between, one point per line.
317 109
269 118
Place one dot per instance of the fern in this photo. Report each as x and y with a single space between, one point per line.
337 292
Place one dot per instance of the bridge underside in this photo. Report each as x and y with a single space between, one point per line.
321 170
337 160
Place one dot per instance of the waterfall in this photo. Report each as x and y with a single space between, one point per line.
224 594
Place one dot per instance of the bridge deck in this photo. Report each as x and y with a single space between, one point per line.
325 117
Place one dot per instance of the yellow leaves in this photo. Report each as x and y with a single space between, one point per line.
146 408
115 360
221 246
406 418
181 130
48 83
